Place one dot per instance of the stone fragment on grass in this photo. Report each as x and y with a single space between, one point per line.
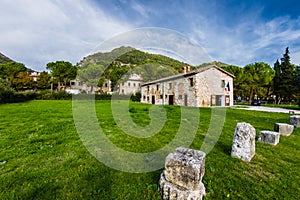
182 176
185 168
171 191
243 145
269 137
295 120
284 129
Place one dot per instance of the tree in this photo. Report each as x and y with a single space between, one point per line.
43 81
22 81
277 80
287 75
90 74
284 79
10 70
63 71
258 77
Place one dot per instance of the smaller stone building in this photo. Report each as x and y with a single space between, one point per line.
205 86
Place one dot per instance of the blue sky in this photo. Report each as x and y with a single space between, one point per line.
232 31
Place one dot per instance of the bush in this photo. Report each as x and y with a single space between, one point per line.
136 97
53 95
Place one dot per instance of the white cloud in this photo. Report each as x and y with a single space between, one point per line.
251 40
37 32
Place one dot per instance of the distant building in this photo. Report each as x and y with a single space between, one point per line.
78 87
205 86
34 75
132 85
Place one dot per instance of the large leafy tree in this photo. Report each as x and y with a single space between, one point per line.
62 71
43 81
10 70
90 74
22 81
258 77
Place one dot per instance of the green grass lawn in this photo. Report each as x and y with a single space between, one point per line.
42 156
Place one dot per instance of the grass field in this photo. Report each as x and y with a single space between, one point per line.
42 156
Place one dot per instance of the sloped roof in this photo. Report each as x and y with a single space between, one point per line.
181 75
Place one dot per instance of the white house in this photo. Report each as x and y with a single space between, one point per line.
132 85
205 86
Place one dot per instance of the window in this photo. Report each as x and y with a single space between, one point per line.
148 88
139 84
105 84
122 91
133 84
180 97
128 83
161 96
144 97
157 87
72 83
191 80
170 86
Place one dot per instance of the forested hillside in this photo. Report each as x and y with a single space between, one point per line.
116 64
4 59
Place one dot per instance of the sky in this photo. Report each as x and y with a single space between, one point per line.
231 31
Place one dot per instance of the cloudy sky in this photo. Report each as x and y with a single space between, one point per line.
237 32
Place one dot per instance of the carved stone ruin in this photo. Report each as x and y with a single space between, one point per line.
243 145
269 137
295 120
284 129
182 176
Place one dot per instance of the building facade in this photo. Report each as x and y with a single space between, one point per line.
203 87
132 85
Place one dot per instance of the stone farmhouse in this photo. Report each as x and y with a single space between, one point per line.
205 86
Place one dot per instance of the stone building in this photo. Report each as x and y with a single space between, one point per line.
132 85
78 87
205 86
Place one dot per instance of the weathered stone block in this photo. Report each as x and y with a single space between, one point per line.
170 191
269 137
284 129
243 145
295 120
185 168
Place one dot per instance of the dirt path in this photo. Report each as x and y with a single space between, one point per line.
268 109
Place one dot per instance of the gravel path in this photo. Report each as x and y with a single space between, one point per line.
269 109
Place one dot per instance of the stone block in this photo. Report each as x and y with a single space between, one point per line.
269 137
170 191
284 129
185 168
295 120
243 145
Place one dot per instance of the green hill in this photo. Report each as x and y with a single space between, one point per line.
5 59
127 59
131 56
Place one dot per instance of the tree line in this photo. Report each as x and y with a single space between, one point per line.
260 81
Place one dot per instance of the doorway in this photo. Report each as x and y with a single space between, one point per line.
171 99
153 99
227 100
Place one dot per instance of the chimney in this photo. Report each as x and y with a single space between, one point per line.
188 68
184 69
